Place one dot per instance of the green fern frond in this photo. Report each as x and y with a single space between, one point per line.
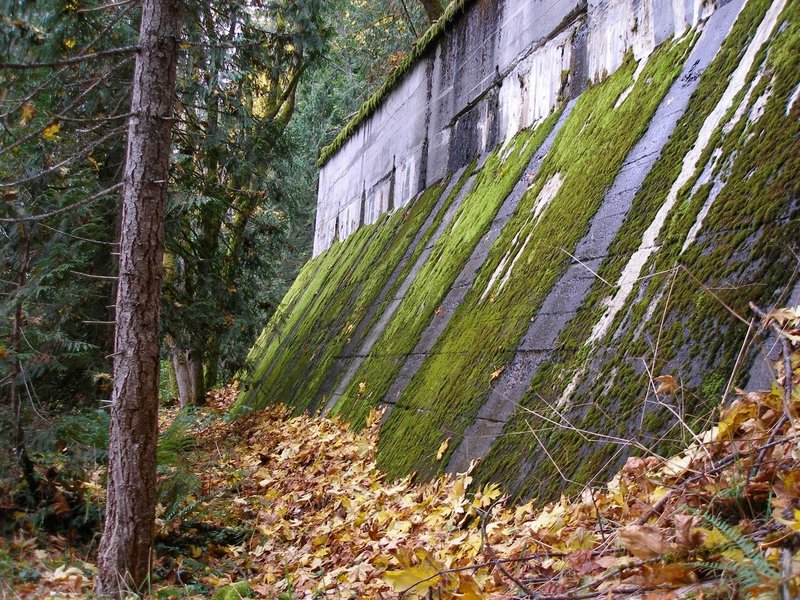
745 545
177 439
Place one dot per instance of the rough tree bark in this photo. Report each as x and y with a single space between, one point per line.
433 8
125 548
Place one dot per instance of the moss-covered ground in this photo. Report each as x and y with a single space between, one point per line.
500 173
743 253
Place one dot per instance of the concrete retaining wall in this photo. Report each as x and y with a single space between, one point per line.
523 305
502 67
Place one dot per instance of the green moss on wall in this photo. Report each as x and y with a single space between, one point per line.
494 183
444 396
740 255
424 241
349 277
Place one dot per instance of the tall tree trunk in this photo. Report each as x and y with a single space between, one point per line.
124 556
212 362
177 358
195 361
433 8
17 433
188 369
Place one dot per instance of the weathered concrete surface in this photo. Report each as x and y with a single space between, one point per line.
569 293
724 237
502 67
466 277
365 336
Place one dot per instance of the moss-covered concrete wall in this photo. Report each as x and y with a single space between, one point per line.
485 70
523 308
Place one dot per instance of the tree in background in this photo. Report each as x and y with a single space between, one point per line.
262 89
229 217
64 89
240 208
433 8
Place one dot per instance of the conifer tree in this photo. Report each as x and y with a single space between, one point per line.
127 541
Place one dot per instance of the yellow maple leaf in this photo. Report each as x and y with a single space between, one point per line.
27 112
551 519
442 449
50 132
414 581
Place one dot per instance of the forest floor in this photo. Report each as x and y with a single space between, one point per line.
272 506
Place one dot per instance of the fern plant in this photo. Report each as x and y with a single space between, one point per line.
752 572
178 481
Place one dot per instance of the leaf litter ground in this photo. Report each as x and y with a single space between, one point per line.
296 508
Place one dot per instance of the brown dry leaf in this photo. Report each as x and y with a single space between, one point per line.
675 574
645 541
686 538
666 384
496 374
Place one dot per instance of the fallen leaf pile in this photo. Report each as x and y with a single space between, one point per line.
296 508
325 523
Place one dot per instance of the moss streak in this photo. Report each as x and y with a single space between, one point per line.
445 395
471 221
743 242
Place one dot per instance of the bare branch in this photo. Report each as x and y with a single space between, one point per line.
77 237
69 61
60 211
90 276
106 6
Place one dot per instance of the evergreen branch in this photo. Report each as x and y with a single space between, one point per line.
76 102
60 211
69 61
21 102
83 152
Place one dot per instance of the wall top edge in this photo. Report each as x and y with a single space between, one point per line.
451 14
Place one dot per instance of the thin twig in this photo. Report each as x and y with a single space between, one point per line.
91 276
69 61
105 6
485 516
59 211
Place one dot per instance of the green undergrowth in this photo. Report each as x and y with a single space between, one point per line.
349 278
500 173
743 253
444 396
